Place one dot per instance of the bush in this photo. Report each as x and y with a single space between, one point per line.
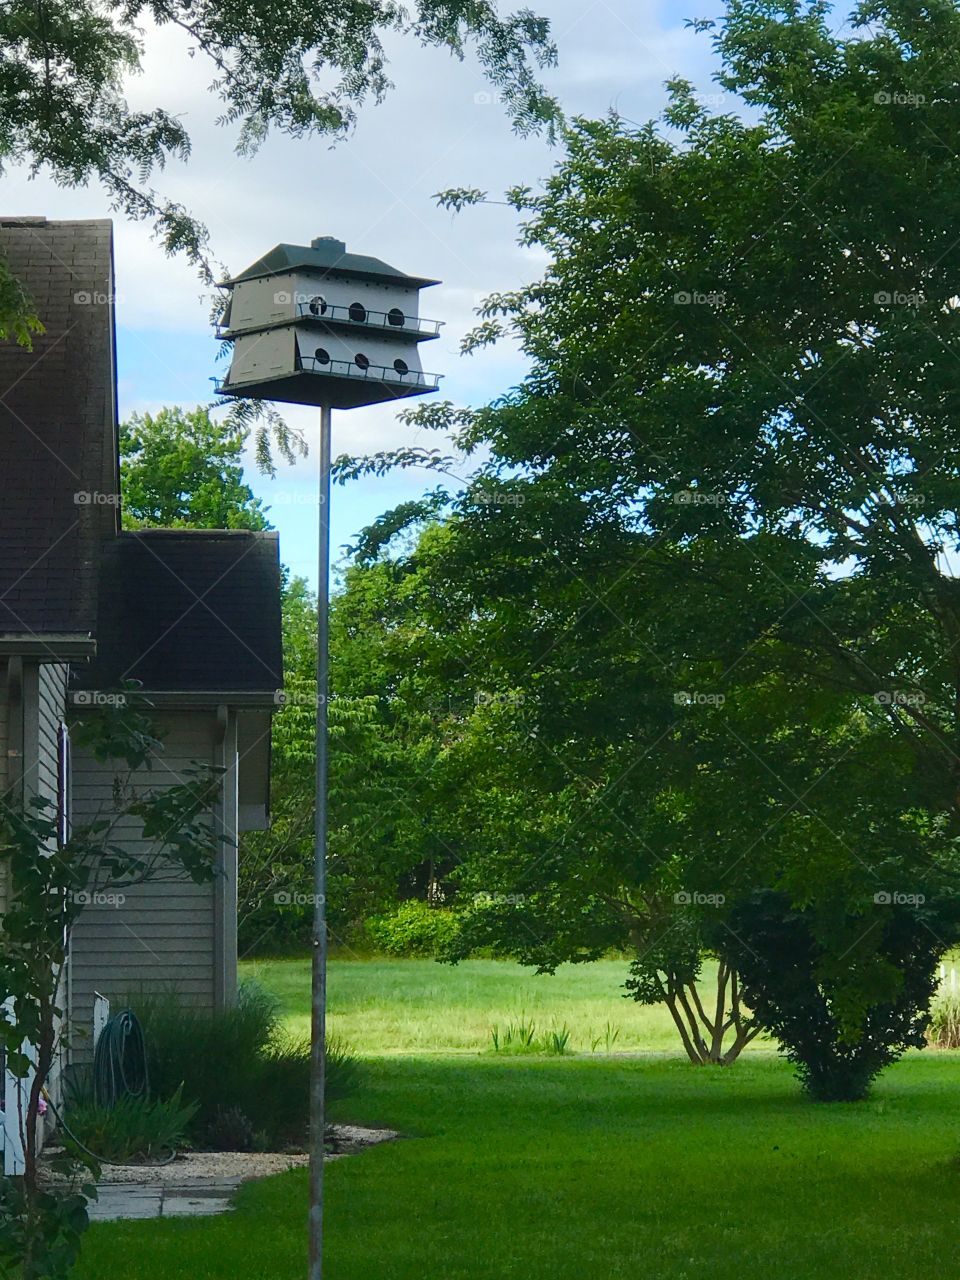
413 929
249 1080
134 1129
797 993
944 1029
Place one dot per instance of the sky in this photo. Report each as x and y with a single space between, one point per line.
440 127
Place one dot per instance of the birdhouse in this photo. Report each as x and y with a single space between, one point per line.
317 325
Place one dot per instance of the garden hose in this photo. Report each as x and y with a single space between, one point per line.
119 1071
120 1061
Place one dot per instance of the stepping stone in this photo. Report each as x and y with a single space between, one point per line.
193 1206
119 1202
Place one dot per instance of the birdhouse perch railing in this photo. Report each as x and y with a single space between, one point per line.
393 321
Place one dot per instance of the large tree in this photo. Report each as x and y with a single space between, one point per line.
735 460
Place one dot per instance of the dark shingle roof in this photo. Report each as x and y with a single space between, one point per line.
328 256
57 427
185 610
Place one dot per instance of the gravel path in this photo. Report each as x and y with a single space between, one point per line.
239 1166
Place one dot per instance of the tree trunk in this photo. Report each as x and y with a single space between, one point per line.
703 1037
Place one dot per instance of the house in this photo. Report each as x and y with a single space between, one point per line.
192 616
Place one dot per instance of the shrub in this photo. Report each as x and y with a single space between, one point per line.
238 1062
944 1029
797 993
413 929
134 1129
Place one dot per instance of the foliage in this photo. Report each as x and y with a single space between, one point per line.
707 545
54 880
799 993
413 929
238 1062
41 1230
304 73
382 760
18 318
134 1130
182 469
517 1036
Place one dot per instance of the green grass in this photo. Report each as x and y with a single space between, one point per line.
418 1006
583 1167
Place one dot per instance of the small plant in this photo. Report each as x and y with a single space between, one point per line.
516 1037
135 1130
556 1041
944 1029
229 1129
608 1038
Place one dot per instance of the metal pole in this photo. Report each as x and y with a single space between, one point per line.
319 1009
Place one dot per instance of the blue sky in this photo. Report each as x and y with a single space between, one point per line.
439 128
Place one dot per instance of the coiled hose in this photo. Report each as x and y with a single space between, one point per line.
119 1071
120 1061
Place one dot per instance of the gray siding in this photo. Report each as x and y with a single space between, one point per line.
161 938
4 748
51 710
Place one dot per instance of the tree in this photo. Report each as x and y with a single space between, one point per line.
303 71
382 757
182 469
737 442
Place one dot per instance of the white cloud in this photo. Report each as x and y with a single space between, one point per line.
439 128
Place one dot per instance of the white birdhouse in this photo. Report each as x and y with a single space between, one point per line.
322 326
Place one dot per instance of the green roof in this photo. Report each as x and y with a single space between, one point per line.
328 256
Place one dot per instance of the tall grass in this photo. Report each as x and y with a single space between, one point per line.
944 1029
249 1078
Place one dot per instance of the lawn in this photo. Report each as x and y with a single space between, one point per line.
584 1167
415 1006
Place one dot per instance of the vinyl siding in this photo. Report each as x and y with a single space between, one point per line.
161 938
4 748
51 700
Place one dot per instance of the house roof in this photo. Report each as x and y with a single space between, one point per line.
57 428
193 611
328 256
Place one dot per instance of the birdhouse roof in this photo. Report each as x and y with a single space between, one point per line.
327 256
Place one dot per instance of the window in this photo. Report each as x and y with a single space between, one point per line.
318 305
396 317
357 312
64 785
401 367
361 361
321 356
